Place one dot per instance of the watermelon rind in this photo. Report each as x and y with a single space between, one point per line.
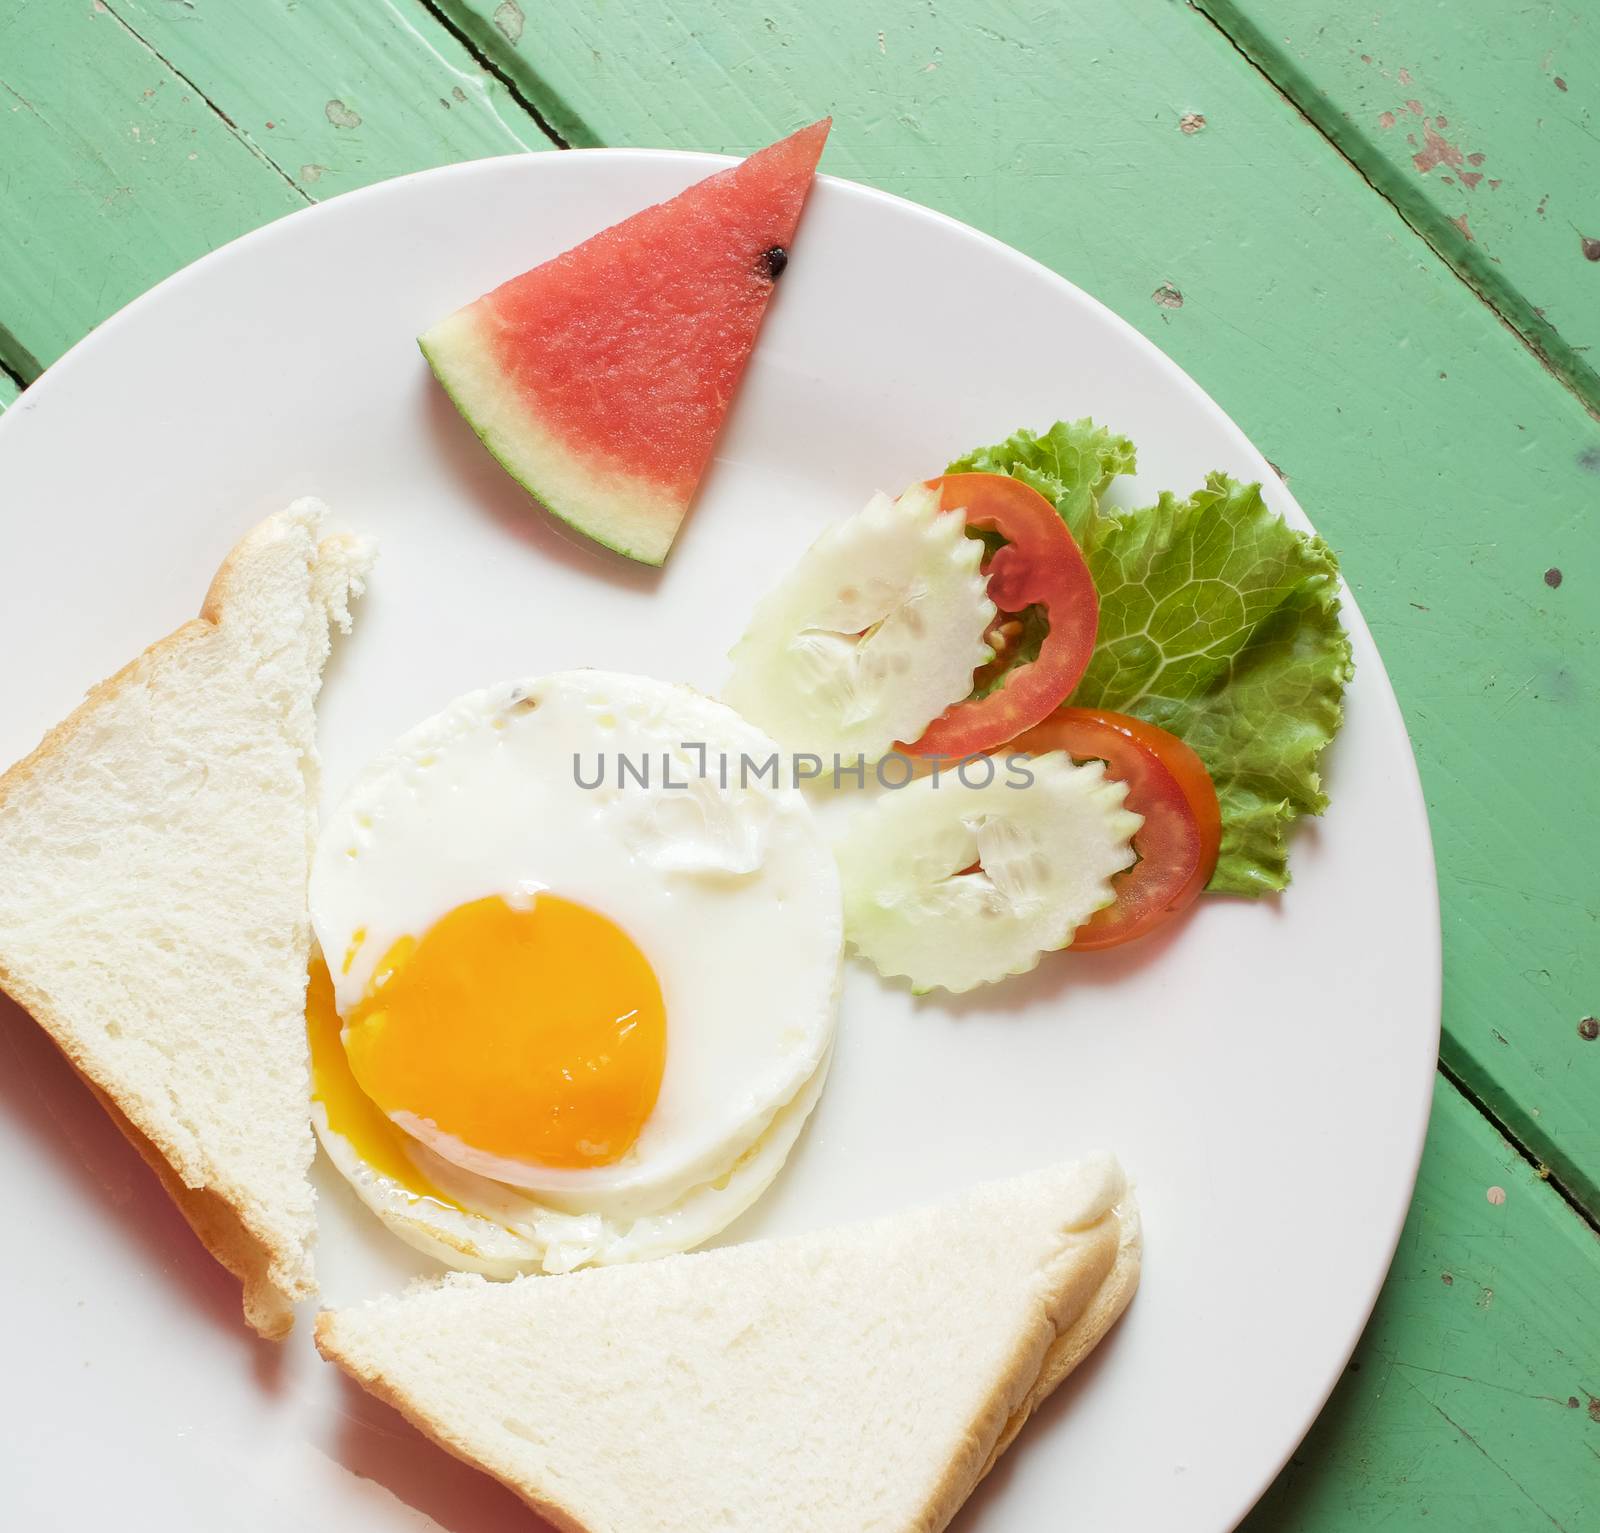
626 513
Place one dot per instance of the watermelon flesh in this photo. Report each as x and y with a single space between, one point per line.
601 378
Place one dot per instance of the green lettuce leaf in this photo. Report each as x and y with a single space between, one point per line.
1218 621
1072 464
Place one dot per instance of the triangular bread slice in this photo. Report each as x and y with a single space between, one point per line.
861 1378
154 852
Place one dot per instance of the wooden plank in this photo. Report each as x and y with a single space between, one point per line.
1470 1402
338 95
1126 147
1483 134
179 127
117 174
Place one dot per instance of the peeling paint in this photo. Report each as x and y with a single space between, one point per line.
1591 247
1552 577
1496 1195
311 174
509 21
1191 122
340 115
1560 83
1405 77
1168 296
1471 178
1436 151
1386 120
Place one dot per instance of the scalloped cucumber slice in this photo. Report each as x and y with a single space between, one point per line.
871 636
1042 856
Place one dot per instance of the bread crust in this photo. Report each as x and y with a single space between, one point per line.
274 1273
373 1381
256 1261
1080 1336
1086 1302
266 1306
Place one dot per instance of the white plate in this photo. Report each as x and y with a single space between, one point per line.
1264 1071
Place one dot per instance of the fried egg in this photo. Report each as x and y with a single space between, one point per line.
580 972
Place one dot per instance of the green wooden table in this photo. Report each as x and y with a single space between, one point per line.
1372 235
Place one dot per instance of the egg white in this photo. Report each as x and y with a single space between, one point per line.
497 1230
725 885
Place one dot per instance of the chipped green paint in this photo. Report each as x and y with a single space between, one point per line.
1435 453
117 173
180 127
508 17
353 93
1479 124
1469 1404
340 116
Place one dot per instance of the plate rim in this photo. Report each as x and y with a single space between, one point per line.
81 353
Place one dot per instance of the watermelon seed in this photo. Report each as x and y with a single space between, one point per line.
776 258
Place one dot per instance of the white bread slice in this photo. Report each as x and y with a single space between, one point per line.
154 852
856 1380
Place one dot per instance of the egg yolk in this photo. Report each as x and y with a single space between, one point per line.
350 1112
532 1034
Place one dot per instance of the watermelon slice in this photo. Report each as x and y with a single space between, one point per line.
601 379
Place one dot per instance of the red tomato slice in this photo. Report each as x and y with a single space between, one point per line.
1169 785
1040 565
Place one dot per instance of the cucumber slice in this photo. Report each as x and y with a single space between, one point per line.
871 636
1045 853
